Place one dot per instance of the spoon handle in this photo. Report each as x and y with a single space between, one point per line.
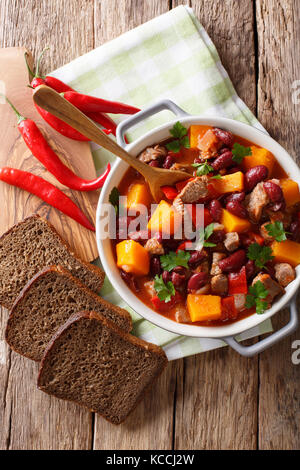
54 103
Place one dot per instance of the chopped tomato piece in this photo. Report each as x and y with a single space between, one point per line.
229 311
169 191
163 306
238 282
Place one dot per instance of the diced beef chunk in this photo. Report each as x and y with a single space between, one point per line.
149 287
240 302
152 153
154 247
284 273
194 190
219 284
181 314
284 217
264 233
216 257
256 201
232 241
182 167
274 289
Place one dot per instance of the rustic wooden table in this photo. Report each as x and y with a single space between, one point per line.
217 400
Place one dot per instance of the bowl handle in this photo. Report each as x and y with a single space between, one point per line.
256 348
144 114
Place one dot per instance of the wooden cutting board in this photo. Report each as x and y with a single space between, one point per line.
17 204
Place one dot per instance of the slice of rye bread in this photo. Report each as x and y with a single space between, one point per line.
30 246
46 303
93 363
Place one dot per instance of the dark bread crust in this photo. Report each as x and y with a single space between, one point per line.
123 315
133 340
95 270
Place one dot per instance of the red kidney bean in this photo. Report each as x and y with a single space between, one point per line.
130 280
295 230
277 206
155 266
239 197
180 270
154 163
196 281
270 269
166 276
246 241
250 268
196 258
274 191
255 175
215 210
217 236
233 262
233 170
223 161
170 244
168 162
237 209
178 279
225 136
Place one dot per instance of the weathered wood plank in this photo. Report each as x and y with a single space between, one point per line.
279 52
30 419
150 425
217 398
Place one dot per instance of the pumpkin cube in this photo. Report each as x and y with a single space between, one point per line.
232 223
229 183
260 156
132 258
196 133
290 191
286 252
204 307
138 193
165 219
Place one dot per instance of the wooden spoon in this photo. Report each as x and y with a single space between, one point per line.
54 103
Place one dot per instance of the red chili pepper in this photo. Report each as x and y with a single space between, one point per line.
229 311
92 104
45 191
184 246
237 282
196 212
40 148
169 191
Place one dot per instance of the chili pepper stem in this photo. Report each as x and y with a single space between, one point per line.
39 60
20 117
27 65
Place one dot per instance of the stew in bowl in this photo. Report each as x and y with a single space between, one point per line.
242 244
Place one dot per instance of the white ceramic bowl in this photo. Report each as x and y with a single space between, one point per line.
156 135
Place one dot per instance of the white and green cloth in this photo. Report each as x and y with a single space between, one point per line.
171 57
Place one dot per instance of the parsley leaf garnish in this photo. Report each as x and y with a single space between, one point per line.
179 132
114 198
239 152
202 168
204 236
276 231
172 259
164 291
216 177
258 292
260 254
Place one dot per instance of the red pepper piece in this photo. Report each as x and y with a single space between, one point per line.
181 184
163 306
169 191
40 148
229 311
184 246
92 104
237 282
195 211
45 191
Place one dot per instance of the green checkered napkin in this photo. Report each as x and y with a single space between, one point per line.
172 57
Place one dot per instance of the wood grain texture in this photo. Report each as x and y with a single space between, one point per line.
279 52
151 424
216 404
14 153
32 420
